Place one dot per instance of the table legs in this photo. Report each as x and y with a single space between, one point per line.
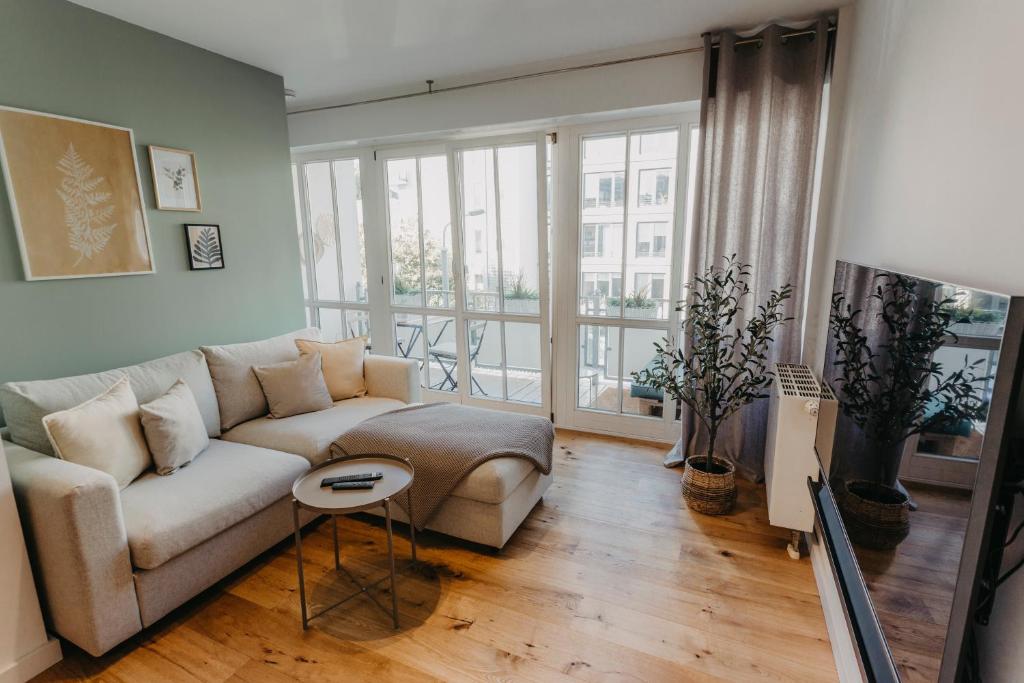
298 560
363 590
391 561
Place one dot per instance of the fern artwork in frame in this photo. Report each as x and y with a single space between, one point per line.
205 250
175 179
75 196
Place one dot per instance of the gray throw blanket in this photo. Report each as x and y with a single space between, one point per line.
445 442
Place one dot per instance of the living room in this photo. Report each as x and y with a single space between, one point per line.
510 340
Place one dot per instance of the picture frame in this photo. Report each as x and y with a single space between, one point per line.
76 196
203 246
175 179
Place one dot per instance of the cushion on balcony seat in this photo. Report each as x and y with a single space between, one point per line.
227 483
311 434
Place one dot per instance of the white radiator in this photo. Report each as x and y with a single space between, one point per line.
796 399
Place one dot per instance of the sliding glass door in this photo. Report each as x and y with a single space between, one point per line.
620 252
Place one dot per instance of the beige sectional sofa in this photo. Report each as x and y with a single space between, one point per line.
111 562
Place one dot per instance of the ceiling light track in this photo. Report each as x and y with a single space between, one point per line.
431 90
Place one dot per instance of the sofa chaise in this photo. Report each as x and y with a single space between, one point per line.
111 562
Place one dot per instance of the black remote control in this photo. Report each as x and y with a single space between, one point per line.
352 485
366 476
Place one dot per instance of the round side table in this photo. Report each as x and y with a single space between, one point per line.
308 494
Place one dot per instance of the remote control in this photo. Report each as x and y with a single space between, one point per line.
366 476
352 485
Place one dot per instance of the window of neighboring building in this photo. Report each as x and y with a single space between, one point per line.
604 190
654 186
651 238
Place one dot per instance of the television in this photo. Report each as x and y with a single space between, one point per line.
914 487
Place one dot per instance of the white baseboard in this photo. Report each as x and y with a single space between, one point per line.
843 649
33 663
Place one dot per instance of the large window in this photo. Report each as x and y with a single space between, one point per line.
329 213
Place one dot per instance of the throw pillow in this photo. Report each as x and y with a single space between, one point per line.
342 365
103 433
295 386
238 391
174 428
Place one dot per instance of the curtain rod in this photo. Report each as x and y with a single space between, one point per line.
431 90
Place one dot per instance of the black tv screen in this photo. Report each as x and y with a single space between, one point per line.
924 375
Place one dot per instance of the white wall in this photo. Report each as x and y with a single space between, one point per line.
927 175
648 83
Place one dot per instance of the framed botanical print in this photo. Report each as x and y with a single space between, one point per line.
175 180
205 251
75 196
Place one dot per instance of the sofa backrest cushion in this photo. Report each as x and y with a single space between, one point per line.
238 391
25 404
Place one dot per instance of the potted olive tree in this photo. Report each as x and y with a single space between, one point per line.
722 367
891 387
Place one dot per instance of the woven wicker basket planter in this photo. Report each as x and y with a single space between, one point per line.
875 515
710 493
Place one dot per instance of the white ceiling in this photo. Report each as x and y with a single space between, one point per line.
333 51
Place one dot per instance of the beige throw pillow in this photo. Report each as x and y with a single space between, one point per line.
342 365
295 386
103 433
174 428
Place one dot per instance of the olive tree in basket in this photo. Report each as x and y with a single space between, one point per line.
722 367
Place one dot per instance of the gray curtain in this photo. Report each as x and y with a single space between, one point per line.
760 114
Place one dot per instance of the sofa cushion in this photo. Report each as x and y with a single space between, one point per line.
238 391
103 433
494 481
342 364
310 435
25 404
174 428
294 387
226 484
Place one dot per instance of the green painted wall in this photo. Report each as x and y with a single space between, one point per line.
61 58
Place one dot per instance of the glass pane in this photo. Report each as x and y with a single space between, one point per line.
437 232
357 324
350 220
602 213
479 220
302 238
638 353
404 230
442 370
485 363
651 217
409 342
331 328
600 268
319 198
598 375
691 189
522 362
517 192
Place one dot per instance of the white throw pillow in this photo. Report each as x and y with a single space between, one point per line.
174 428
103 433
342 364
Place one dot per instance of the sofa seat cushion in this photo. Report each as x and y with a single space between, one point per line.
494 481
310 435
227 483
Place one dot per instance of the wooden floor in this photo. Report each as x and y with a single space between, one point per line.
609 579
912 586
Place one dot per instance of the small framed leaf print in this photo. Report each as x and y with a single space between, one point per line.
175 180
205 251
